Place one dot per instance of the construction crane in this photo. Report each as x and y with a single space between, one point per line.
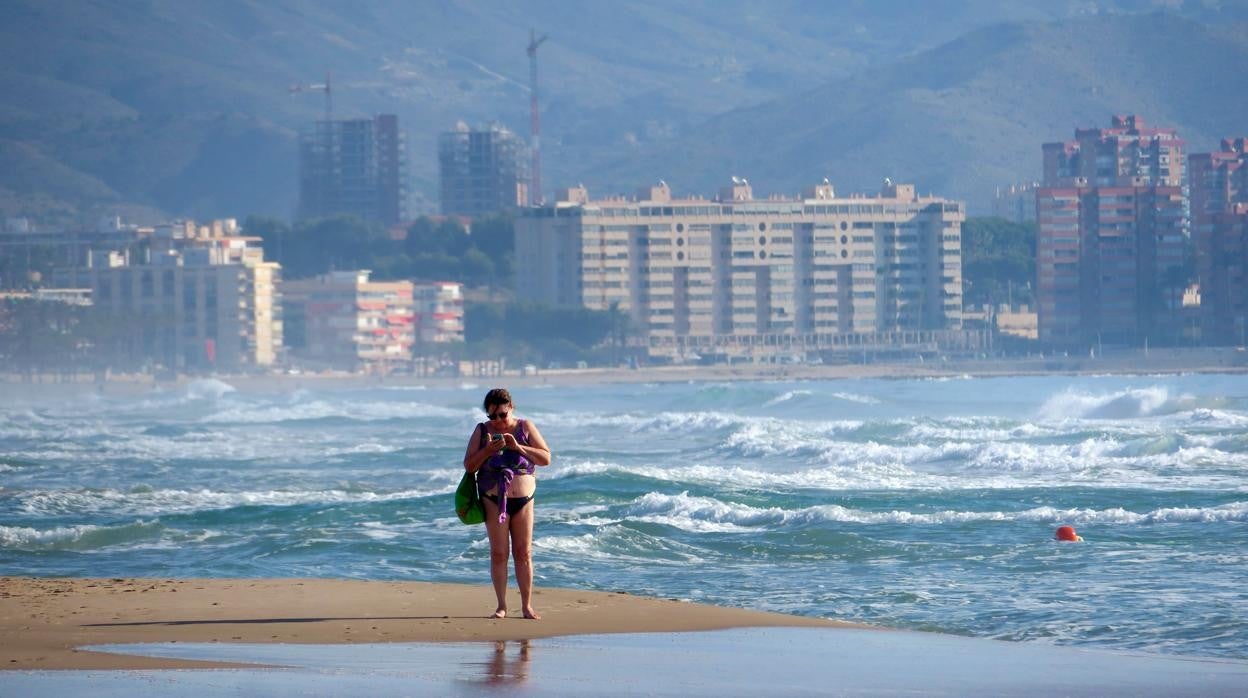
535 117
326 87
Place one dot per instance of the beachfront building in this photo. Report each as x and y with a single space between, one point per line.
201 297
1111 237
1219 205
742 276
482 171
439 313
345 320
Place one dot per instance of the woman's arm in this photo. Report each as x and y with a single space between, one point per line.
537 451
476 456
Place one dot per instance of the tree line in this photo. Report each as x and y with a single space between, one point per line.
998 262
440 249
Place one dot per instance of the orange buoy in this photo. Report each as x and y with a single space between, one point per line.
1067 533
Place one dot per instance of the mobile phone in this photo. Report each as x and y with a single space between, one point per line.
496 437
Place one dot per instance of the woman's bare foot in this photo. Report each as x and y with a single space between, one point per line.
500 613
531 614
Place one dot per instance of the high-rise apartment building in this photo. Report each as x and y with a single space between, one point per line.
1111 236
1219 203
745 276
204 299
354 167
483 171
344 320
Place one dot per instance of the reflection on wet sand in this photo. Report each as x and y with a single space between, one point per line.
503 670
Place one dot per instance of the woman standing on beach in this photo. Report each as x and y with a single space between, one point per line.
503 452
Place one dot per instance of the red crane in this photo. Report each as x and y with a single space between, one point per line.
535 173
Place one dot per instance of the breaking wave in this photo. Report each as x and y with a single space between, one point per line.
704 513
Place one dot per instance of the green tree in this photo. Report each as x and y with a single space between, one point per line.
477 268
273 234
314 247
998 261
527 331
495 236
41 336
433 249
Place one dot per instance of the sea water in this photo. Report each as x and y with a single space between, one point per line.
923 504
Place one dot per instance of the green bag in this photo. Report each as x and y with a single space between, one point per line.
468 505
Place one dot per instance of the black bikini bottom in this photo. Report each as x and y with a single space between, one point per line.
514 504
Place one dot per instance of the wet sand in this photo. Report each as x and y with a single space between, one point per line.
45 622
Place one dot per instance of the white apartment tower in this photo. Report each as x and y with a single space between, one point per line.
739 275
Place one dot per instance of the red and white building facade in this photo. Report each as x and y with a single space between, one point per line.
1111 237
439 312
1219 203
345 320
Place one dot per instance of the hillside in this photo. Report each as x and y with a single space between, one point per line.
181 107
971 114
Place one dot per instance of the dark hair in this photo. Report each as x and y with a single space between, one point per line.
497 396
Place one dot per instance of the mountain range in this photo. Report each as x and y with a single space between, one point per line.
971 115
149 108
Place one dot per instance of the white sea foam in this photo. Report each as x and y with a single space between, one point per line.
208 388
699 513
584 544
74 537
335 409
854 397
172 501
785 397
108 444
671 422
1130 403
774 437
25 537
831 464
1215 418
988 429
379 531
735 477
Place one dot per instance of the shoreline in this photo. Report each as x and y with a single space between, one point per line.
50 623
1155 362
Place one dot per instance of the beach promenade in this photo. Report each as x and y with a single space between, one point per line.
1156 361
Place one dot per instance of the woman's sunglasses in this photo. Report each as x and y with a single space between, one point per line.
500 415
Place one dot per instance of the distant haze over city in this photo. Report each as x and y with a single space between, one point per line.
185 109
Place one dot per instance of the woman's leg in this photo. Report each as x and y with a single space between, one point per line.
498 555
522 552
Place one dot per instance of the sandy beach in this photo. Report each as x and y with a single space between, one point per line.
44 621
1121 362
334 637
